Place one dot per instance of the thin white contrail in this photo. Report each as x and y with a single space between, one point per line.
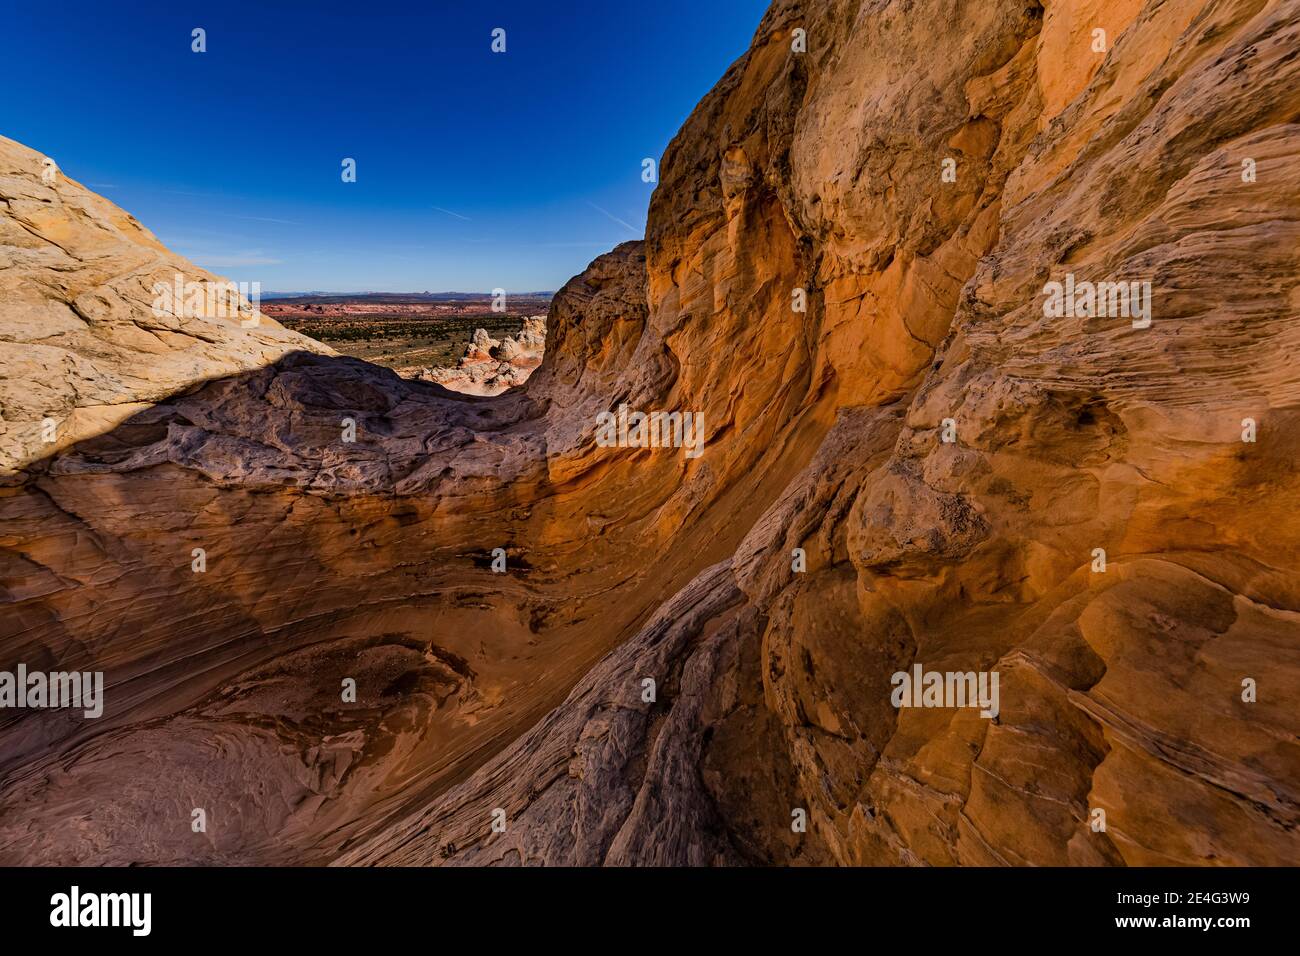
606 212
450 213
283 222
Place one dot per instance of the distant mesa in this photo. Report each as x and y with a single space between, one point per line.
401 296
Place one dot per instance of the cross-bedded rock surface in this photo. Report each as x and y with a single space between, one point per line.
822 171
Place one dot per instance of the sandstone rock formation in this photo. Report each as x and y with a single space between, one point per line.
907 462
489 367
81 344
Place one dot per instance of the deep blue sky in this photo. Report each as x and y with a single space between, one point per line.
474 170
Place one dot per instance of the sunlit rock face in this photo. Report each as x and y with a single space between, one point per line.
917 456
91 330
490 367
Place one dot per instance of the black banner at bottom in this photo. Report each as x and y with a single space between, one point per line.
654 907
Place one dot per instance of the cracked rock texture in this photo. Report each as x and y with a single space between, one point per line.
918 468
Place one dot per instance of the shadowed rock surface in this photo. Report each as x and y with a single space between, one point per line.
825 430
